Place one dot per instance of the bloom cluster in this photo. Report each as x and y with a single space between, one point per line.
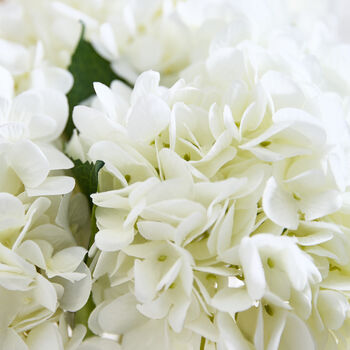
222 205
43 275
41 266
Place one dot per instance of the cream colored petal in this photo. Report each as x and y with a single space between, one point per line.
45 336
296 335
29 163
279 205
11 212
128 316
232 300
148 118
53 185
76 293
253 269
45 293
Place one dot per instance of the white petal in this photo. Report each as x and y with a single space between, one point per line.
193 223
170 275
144 250
139 337
105 95
57 159
67 259
76 293
108 42
11 212
9 339
303 123
259 331
77 15
55 105
157 308
112 240
177 315
333 308
230 123
154 230
317 205
14 57
218 156
10 258
254 114
174 166
41 126
170 191
315 239
280 205
58 238
31 251
11 305
98 344
75 148
232 300
93 322
253 269
336 281
52 78
128 316
148 117
53 185
125 161
203 326
226 64
45 293
145 59
225 230
147 83
336 127
84 117
273 130
12 280
215 122
284 92
296 335
279 322
146 276
45 336
29 163
78 335
230 334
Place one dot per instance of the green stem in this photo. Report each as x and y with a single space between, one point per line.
94 230
202 343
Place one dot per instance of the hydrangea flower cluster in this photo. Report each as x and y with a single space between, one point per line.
220 214
42 268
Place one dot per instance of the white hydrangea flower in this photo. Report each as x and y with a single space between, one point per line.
42 269
29 124
54 334
25 25
241 166
222 206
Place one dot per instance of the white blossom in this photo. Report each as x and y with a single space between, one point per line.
222 206
241 166
42 269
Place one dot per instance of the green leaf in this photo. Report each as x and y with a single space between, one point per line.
86 176
87 67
